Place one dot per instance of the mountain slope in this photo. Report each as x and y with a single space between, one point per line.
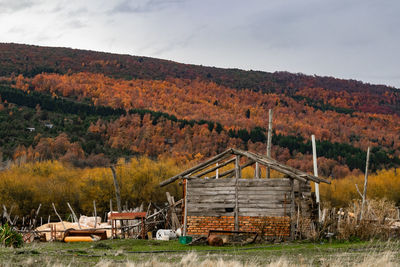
194 109
31 60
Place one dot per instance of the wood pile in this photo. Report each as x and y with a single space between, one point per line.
166 217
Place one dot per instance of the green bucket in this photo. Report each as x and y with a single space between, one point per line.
185 239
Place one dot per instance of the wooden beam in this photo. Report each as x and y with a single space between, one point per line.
36 214
6 215
186 209
257 171
58 215
237 177
273 164
214 168
237 168
269 140
292 210
116 186
74 215
174 218
291 172
198 167
232 171
95 214
314 150
127 215
365 186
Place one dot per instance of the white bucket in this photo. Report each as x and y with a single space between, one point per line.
179 232
165 234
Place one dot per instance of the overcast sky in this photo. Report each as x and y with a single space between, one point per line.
357 39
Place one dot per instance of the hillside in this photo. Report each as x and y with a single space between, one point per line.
121 106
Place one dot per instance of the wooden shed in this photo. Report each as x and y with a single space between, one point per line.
263 205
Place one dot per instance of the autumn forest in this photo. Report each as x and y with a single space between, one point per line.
67 114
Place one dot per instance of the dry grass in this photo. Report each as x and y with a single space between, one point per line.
344 224
386 258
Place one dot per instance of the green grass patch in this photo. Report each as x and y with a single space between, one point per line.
120 251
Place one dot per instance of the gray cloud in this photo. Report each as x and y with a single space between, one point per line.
132 6
17 30
356 39
78 12
10 6
76 24
178 43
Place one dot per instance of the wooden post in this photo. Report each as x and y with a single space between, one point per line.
300 200
112 225
95 214
117 195
53 232
339 219
117 192
74 215
238 171
11 209
186 209
257 171
148 209
58 215
7 215
323 215
292 210
298 216
365 186
174 218
36 214
314 149
269 140
237 177
16 219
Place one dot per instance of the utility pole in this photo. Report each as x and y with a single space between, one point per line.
269 139
314 149
364 196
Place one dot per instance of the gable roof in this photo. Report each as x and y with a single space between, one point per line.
252 158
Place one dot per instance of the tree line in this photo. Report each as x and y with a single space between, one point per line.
344 153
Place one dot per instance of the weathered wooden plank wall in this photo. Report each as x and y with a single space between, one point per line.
210 197
256 197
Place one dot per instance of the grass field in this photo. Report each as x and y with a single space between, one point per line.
164 253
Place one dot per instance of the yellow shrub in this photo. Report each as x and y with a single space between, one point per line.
24 187
383 184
